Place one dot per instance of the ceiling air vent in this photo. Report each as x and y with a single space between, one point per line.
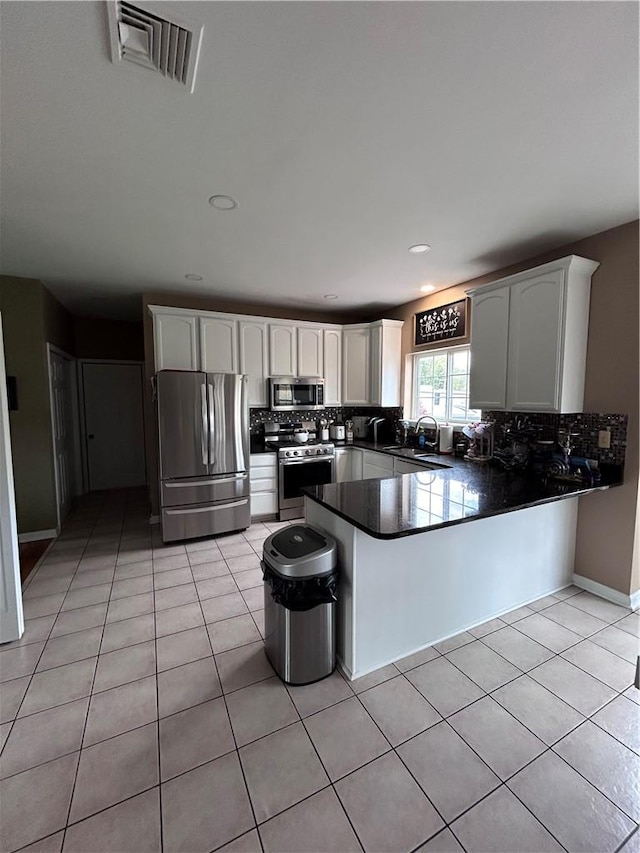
152 36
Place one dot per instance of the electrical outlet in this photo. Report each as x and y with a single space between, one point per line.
604 439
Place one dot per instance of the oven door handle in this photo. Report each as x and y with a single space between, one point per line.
307 461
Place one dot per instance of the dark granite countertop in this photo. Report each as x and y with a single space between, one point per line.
416 503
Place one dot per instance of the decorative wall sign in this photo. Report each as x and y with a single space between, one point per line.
445 323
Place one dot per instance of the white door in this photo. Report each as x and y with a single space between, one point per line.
61 400
11 617
218 345
114 427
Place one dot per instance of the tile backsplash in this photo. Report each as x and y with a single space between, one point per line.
257 417
586 424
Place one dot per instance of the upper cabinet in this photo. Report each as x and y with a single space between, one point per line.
254 359
175 339
218 345
332 367
356 364
360 364
529 339
282 350
310 346
386 357
489 348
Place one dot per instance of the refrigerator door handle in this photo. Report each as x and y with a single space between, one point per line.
212 456
204 430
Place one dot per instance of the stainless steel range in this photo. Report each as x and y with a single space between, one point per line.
300 464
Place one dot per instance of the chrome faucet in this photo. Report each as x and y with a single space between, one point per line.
433 445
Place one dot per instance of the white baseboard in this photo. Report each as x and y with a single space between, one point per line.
37 535
612 595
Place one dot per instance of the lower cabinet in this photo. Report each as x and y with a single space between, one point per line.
375 465
263 476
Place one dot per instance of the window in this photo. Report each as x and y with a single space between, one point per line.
441 385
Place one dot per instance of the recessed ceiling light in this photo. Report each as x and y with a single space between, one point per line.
330 296
193 277
223 202
418 248
427 288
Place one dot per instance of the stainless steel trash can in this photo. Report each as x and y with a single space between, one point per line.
299 567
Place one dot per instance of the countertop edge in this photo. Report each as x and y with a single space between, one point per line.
453 522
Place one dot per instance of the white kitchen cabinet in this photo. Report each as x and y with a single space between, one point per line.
542 366
263 476
310 348
282 350
254 359
376 465
356 365
175 339
218 344
386 358
356 463
342 468
332 367
489 348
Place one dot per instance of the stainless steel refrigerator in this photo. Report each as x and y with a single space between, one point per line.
203 424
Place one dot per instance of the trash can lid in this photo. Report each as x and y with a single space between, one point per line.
300 551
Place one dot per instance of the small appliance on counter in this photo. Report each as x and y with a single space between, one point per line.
377 429
337 431
360 426
348 430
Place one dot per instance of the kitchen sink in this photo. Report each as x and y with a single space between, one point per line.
418 452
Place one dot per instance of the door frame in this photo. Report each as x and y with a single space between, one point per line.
12 626
77 485
84 448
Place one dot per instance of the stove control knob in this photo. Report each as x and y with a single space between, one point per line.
308 452
287 453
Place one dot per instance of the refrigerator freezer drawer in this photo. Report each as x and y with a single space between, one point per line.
193 521
204 490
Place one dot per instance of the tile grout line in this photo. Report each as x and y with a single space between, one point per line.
84 729
226 707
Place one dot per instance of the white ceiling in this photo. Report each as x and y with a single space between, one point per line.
346 131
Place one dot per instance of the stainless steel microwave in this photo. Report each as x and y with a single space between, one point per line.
287 394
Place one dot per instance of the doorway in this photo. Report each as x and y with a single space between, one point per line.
113 424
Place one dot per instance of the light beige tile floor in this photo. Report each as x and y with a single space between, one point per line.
139 713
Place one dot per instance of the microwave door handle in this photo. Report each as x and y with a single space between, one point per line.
204 431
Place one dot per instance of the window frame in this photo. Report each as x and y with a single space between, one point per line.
437 351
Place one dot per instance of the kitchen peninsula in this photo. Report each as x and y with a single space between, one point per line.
426 555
